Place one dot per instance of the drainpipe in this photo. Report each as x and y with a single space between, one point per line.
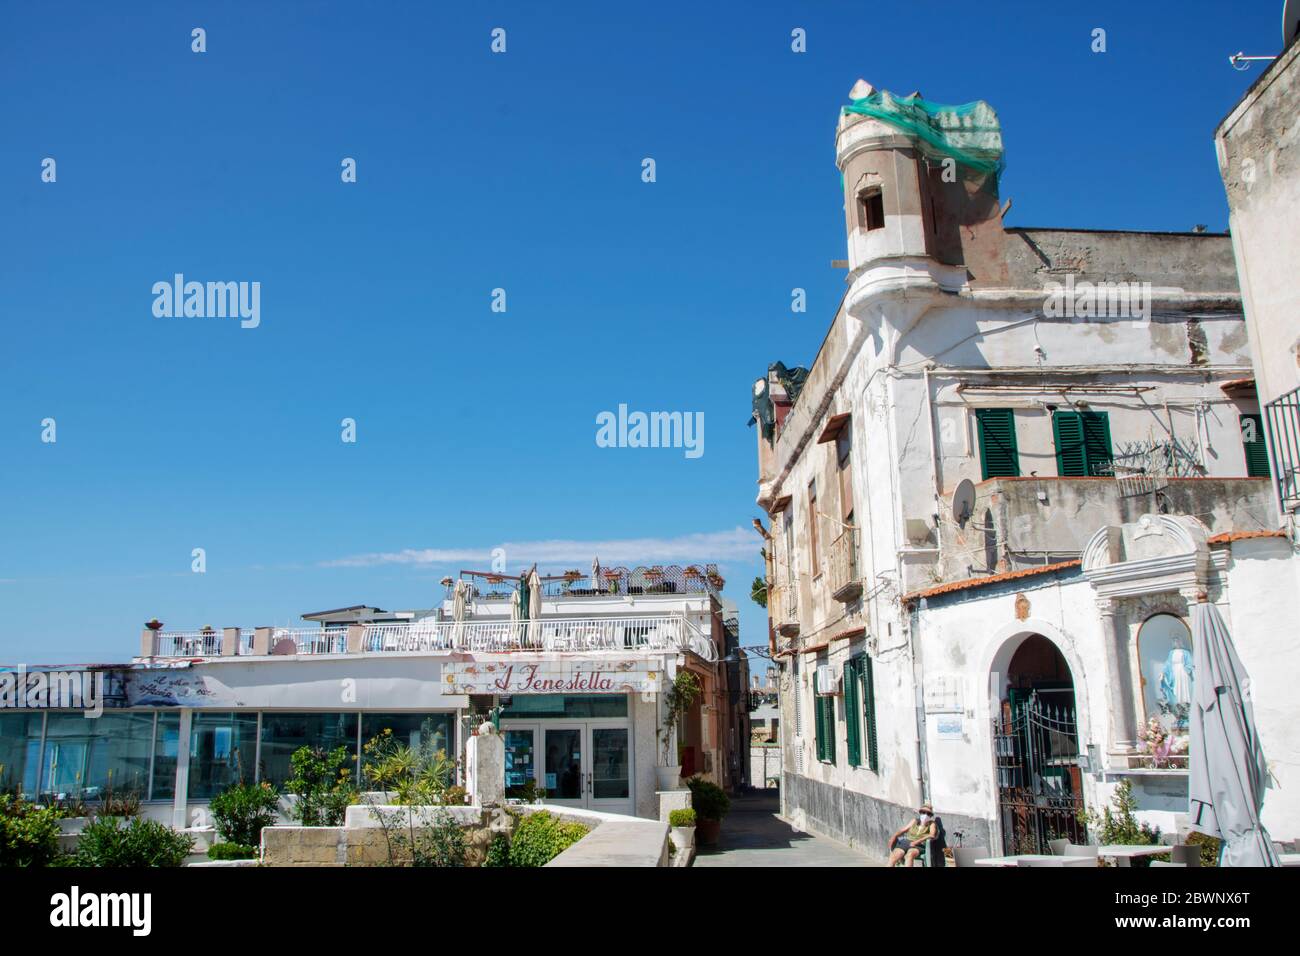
934 464
918 677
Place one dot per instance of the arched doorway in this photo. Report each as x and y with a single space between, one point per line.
1036 746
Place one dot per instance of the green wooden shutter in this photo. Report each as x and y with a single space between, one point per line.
1252 437
852 709
828 725
1096 442
869 708
1067 431
999 457
817 721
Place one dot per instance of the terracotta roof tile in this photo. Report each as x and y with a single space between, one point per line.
1228 536
969 583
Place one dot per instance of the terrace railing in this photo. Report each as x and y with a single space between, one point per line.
658 579
665 633
661 633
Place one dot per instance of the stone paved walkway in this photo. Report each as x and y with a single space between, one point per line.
753 835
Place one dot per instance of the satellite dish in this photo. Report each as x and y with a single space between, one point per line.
1290 21
963 501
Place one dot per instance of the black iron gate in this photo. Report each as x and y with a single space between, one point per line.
1040 790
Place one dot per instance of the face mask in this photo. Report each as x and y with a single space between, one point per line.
925 818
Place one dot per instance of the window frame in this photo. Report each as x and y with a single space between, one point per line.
1083 445
986 440
1261 466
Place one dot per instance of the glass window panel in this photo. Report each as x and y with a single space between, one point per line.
520 766
88 756
223 749
609 763
165 747
20 752
564 763
412 730
570 707
282 734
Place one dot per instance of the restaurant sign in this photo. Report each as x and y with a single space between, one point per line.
614 676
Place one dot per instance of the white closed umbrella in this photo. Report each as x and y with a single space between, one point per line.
595 575
1227 772
534 605
458 600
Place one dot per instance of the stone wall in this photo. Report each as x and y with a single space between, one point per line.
625 841
864 822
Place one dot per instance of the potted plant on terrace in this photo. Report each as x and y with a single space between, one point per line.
154 624
711 804
682 824
683 692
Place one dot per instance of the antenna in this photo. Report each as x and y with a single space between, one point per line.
1241 62
963 501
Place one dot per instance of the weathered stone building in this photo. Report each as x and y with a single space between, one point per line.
1000 424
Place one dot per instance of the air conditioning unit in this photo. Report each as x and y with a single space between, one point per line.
828 684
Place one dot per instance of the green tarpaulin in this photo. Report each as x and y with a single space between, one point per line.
968 133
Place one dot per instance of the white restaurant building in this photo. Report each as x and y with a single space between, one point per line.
577 690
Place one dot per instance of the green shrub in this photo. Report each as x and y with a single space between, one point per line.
416 776
541 837
29 833
241 811
498 852
1209 847
443 844
681 818
232 851
322 781
106 842
710 801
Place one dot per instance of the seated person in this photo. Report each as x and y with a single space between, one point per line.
909 843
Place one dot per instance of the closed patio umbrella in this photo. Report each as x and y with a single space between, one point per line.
458 596
1227 773
518 612
534 605
595 575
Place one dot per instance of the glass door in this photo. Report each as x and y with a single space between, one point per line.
610 786
563 773
521 759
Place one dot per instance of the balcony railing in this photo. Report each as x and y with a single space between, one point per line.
205 643
783 608
546 634
659 633
609 582
845 581
1282 426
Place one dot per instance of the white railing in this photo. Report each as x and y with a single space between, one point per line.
545 634
189 643
311 640
664 633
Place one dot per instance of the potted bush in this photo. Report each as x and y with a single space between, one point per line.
154 624
711 804
682 832
683 692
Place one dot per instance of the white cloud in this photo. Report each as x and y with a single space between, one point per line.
690 548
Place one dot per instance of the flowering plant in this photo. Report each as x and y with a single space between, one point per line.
1160 746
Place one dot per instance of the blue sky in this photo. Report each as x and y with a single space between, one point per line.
476 171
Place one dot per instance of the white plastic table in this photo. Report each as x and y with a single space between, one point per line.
1128 851
1030 859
